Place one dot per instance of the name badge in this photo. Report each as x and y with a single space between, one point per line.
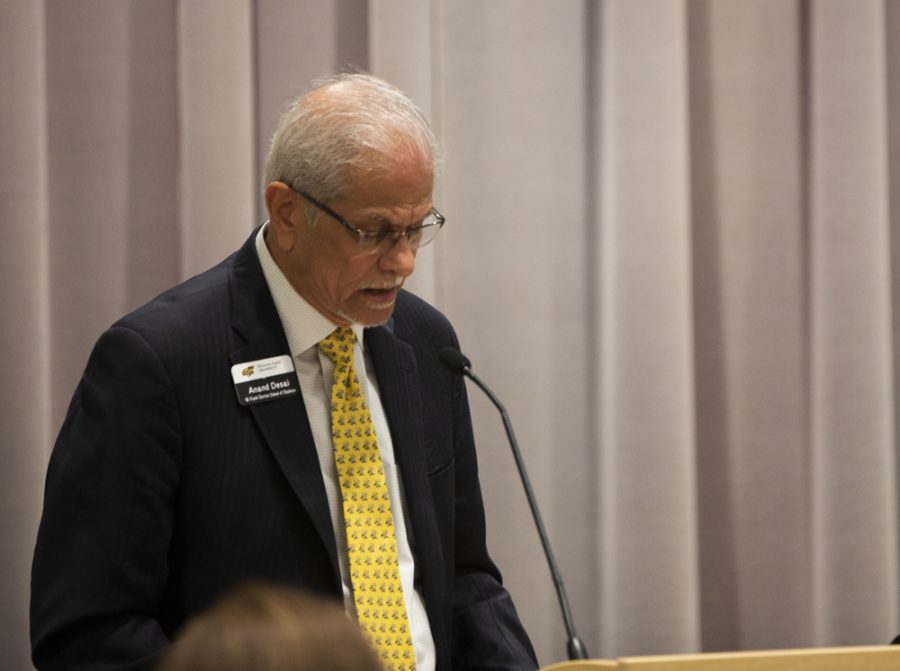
264 380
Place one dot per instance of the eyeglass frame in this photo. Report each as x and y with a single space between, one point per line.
390 235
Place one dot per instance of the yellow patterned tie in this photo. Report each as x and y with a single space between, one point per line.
371 542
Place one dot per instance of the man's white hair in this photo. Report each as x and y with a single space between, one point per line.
351 120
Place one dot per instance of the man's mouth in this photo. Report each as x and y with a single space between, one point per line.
381 294
384 292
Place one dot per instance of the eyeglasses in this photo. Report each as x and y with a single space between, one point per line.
384 239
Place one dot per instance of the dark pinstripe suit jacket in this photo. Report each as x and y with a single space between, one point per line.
163 491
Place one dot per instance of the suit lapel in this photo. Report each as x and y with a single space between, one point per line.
395 368
283 422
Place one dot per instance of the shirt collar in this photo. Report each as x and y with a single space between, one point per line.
303 325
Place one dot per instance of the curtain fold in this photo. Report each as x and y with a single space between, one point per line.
671 249
749 283
25 395
647 525
218 194
852 421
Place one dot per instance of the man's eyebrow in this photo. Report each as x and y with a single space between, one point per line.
384 221
377 216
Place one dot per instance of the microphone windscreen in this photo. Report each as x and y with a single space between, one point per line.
454 359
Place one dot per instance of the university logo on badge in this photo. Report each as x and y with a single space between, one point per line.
248 371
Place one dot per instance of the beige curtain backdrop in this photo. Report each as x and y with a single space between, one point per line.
672 249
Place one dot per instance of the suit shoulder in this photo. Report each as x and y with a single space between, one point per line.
201 302
414 319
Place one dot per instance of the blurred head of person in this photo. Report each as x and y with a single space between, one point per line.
259 627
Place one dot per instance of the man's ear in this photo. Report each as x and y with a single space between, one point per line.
285 214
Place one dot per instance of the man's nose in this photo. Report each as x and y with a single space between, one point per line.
400 259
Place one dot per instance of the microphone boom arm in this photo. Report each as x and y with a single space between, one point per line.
574 646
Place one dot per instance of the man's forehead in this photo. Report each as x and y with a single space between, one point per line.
401 159
404 186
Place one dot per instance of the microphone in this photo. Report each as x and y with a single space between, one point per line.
459 363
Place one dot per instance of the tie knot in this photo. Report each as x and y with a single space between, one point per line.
338 346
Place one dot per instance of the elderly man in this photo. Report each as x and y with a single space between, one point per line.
283 417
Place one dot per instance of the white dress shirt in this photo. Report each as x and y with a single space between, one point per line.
304 328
